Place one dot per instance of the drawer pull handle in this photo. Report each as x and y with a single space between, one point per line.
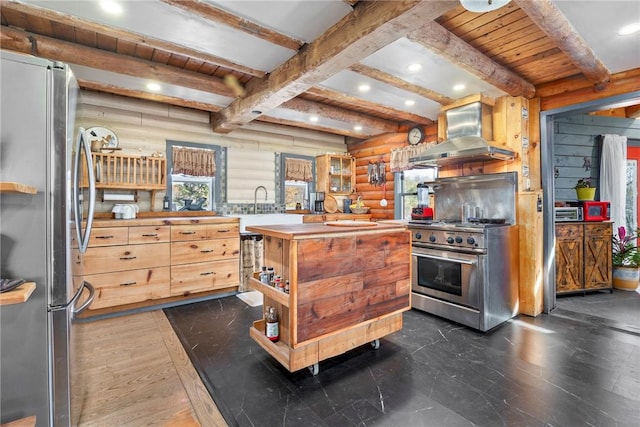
150 235
125 258
128 284
223 231
187 232
207 273
206 251
104 237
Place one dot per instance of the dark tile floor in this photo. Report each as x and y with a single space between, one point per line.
569 368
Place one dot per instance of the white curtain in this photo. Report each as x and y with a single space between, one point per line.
613 176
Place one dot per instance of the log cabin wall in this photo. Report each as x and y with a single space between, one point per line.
143 127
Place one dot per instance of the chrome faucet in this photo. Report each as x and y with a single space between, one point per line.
255 197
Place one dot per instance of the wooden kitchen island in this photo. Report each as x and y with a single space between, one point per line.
349 285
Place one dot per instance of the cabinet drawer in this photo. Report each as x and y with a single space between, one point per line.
569 231
204 276
188 232
598 231
149 234
109 236
217 231
120 258
205 250
113 289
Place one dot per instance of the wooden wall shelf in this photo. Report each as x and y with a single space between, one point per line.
18 295
15 187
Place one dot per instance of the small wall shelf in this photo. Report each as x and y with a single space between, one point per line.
15 187
18 295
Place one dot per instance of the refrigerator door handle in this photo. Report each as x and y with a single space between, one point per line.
83 238
77 310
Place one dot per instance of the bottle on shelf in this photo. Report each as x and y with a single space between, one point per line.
271 324
264 276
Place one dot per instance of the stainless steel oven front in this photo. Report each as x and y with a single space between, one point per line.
447 275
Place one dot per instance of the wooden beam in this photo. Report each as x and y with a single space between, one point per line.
394 81
54 49
348 117
143 40
371 26
212 13
555 25
446 44
87 84
308 125
633 111
390 113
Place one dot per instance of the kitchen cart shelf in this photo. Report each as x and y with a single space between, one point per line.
18 295
269 291
16 187
338 301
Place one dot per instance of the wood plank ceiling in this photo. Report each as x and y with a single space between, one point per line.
513 49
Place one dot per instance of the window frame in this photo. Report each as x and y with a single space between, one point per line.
310 185
220 169
400 192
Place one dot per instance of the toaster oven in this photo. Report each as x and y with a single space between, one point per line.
567 213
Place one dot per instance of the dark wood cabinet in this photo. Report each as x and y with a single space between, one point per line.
583 257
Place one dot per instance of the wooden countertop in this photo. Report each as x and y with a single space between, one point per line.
315 230
172 220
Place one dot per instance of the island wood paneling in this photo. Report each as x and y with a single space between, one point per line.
355 279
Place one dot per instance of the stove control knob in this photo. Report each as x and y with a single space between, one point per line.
432 238
471 240
450 240
418 236
458 239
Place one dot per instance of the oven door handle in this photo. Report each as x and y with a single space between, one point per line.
461 261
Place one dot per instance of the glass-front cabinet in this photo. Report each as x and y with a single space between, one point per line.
336 173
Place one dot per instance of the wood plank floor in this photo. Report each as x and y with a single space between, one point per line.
137 373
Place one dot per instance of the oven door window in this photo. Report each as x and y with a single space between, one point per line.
453 280
445 276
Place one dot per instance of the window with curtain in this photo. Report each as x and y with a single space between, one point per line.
192 183
298 173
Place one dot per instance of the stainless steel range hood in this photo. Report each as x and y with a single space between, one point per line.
468 128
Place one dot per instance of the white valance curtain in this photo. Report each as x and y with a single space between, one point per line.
298 170
193 161
613 176
400 156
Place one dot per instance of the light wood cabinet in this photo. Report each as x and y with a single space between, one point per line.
336 174
583 257
145 262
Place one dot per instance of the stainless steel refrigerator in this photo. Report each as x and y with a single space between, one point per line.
40 146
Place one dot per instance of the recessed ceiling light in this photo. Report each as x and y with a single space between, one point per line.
357 128
153 87
459 87
364 87
314 119
629 29
414 67
409 102
111 7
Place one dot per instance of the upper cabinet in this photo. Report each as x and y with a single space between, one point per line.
336 174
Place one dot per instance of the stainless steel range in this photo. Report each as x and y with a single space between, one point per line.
466 269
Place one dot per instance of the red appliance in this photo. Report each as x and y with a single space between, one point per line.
596 211
423 211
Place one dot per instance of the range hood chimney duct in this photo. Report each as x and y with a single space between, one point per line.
469 128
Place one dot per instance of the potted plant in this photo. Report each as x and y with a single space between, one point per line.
585 190
625 260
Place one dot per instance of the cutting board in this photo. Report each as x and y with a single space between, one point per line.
330 204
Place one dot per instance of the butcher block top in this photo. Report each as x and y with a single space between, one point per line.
315 230
169 220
